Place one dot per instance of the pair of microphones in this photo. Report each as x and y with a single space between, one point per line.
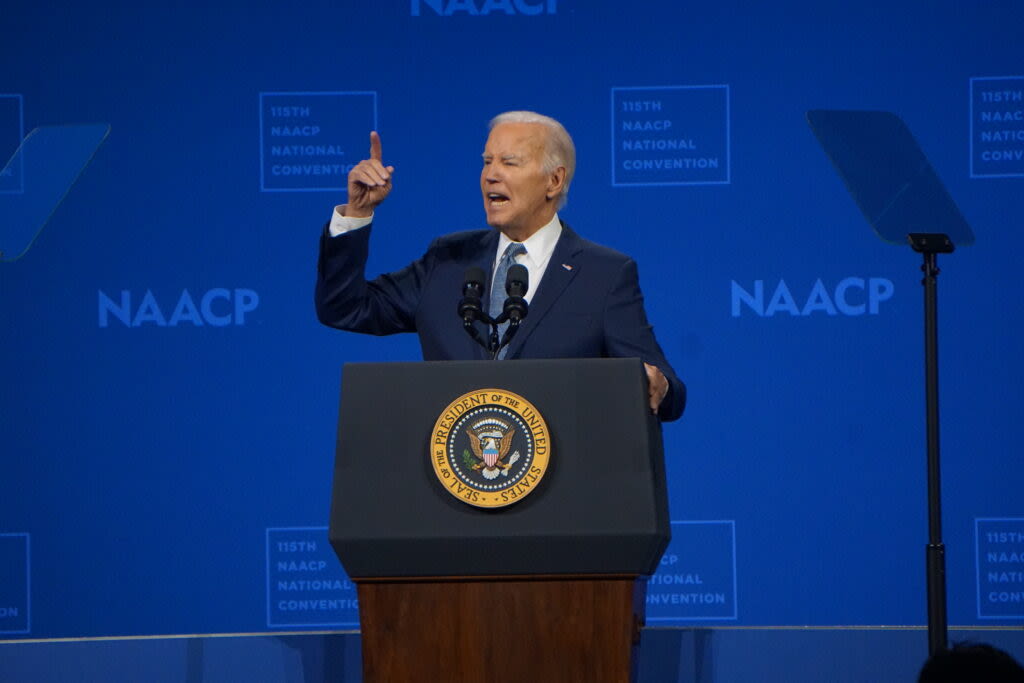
515 308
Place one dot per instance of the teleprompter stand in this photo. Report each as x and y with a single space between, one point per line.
550 588
903 199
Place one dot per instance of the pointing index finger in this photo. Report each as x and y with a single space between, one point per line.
375 151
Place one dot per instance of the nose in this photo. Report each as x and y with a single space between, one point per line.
492 173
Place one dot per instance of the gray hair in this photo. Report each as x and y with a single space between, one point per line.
558 147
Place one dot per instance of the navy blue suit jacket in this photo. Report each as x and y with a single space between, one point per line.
588 304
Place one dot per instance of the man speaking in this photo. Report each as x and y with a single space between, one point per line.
584 299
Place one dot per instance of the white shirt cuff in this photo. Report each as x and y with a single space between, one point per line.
340 224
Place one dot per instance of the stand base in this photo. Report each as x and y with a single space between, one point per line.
507 629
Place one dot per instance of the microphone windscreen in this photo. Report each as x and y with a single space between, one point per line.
475 276
520 275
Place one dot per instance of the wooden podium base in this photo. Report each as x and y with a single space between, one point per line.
501 629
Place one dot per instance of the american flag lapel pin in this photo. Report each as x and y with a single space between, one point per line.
567 266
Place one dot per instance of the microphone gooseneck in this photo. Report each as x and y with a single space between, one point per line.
515 308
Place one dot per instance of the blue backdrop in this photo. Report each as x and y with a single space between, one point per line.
167 418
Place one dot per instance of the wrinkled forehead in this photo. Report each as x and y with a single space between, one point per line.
516 139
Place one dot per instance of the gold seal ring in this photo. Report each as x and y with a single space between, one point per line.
490 448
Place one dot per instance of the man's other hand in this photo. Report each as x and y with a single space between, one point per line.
657 387
369 182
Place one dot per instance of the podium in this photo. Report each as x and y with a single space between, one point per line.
548 588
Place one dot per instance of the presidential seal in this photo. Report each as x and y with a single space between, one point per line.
490 448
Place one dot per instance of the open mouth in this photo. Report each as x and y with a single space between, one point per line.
496 199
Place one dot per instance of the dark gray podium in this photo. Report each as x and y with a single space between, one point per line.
550 588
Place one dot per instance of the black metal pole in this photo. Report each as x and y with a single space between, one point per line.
935 554
493 343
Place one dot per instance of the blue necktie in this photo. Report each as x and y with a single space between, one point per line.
498 295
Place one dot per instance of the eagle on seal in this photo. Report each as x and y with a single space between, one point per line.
491 440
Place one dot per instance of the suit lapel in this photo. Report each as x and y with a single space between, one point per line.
561 270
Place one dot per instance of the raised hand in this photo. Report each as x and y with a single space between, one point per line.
369 182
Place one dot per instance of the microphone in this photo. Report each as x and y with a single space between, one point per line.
516 285
471 306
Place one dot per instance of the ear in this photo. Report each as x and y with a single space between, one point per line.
556 181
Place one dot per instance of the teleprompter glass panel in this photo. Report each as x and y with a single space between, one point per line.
888 175
48 162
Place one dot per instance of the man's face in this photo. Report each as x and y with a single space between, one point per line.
519 197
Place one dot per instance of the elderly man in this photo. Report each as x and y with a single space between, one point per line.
585 299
